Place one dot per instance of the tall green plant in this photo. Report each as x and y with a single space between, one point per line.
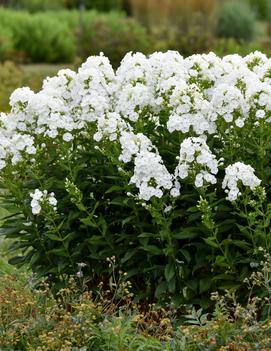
162 166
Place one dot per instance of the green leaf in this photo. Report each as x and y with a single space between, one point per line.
127 220
103 224
161 289
58 252
211 242
169 271
242 244
87 221
114 188
223 276
128 255
221 261
7 231
186 234
204 285
120 201
154 250
17 260
186 255
172 285
36 256
53 237
193 217
147 235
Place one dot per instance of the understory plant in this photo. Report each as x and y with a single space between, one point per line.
76 319
163 164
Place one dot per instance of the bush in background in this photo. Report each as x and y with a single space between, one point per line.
56 37
262 8
45 5
38 5
10 78
6 43
172 13
236 20
186 26
38 37
45 39
104 5
113 34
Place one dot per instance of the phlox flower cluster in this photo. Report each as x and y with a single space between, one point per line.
150 175
191 100
228 103
41 197
190 110
239 173
133 144
196 157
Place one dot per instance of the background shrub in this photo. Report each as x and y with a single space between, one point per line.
51 40
6 43
39 37
236 20
194 39
113 34
262 8
224 46
45 5
168 13
38 5
186 26
104 5
10 79
56 37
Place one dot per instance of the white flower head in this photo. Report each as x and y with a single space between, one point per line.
235 173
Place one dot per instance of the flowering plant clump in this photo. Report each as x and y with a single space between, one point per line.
163 164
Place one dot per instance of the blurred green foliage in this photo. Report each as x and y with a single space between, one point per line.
55 37
45 5
226 46
50 40
190 27
6 42
236 20
37 38
115 35
10 78
193 39
38 5
262 8
104 5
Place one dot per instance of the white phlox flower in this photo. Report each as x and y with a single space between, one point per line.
150 175
132 144
190 110
110 126
239 173
39 197
196 158
229 103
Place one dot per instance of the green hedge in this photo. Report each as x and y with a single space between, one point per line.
237 20
39 37
45 5
38 5
262 8
56 37
10 79
113 34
